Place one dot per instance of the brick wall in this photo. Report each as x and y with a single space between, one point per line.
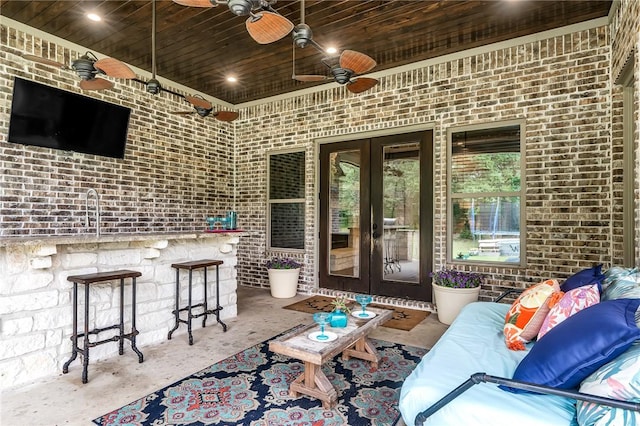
625 39
177 169
560 85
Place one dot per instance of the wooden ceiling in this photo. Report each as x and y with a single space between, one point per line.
199 47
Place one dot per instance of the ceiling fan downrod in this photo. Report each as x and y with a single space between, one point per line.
153 85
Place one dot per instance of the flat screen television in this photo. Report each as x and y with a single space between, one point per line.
46 116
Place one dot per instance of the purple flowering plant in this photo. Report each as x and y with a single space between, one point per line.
453 278
282 263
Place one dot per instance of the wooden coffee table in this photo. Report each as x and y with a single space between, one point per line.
352 341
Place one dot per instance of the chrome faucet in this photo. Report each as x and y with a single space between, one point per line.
87 221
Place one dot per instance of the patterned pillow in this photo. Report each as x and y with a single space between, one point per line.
619 379
525 317
627 287
615 272
573 301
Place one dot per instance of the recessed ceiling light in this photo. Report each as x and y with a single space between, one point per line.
232 79
331 50
94 17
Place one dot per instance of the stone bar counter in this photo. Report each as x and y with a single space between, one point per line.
36 298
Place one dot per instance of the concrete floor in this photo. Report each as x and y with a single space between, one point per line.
64 400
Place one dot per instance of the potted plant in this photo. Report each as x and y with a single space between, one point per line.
283 277
453 290
340 310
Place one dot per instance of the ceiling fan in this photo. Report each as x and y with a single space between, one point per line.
88 67
345 68
264 24
203 108
153 86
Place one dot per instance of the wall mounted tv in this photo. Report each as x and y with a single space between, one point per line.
45 116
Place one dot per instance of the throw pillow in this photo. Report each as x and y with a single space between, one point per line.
615 272
627 287
579 345
586 276
573 301
619 379
525 317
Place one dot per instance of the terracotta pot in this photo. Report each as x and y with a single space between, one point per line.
450 301
283 282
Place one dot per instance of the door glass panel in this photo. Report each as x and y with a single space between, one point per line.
344 218
401 204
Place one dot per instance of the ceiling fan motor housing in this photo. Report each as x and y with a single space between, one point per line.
83 66
243 7
203 112
342 75
302 34
153 86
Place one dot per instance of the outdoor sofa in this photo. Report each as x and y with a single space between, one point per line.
455 382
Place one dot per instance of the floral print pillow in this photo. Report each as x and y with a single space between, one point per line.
573 301
524 319
619 379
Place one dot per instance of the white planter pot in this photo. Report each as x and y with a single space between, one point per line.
283 282
450 301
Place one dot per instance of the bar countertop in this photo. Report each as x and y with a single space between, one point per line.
89 238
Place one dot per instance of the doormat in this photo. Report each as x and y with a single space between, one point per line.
251 388
402 319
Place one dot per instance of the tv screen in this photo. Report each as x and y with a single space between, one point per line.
45 116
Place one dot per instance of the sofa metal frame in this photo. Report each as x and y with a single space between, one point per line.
526 386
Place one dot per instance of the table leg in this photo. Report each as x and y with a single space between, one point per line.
362 349
314 383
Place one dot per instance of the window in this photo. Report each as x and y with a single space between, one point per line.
486 192
285 202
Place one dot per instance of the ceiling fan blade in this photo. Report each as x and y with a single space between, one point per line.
310 77
357 62
114 68
96 84
198 102
226 115
195 3
362 84
266 27
44 61
182 112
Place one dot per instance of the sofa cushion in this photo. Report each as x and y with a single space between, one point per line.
573 301
586 276
619 379
625 287
580 345
525 317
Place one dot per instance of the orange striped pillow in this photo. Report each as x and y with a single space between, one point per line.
527 313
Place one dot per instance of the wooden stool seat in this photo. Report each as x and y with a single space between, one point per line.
190 266
87 280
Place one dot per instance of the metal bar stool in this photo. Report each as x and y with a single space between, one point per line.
205 263
87 280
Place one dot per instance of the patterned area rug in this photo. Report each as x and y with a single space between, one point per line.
403 318
252 388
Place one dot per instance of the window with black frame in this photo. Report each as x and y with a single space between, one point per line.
285 201
486 194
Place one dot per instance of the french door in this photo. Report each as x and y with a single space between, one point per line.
376 215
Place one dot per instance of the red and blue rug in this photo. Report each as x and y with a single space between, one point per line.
252 388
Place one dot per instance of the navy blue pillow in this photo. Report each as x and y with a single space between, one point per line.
586 276
579 345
